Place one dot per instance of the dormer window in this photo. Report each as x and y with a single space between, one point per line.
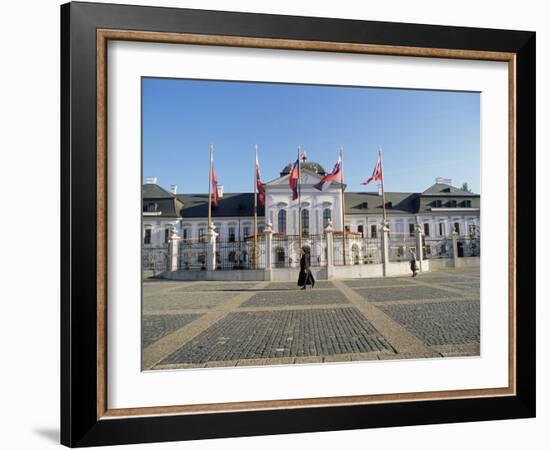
365 205
452 203
389 205
150 207
436 203
467 203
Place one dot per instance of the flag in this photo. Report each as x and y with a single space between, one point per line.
214 182
377 172
259 184
335 175
293 179
302 156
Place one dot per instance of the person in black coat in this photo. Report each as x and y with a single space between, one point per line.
305 277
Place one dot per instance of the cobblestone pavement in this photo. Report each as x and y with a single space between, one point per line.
214 324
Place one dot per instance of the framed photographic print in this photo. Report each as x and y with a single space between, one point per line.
277 224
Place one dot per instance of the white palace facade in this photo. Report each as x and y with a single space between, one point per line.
438 213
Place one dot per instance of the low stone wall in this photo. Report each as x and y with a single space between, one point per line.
356 271
320 273
446 263
216 275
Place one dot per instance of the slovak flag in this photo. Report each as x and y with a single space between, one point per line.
259 184
335 175
293 179
377 172
214 182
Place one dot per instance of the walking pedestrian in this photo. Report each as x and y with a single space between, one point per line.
414 265
305 277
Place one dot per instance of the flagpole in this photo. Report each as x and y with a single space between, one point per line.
210 188
299 202
382 180
342 203
255 206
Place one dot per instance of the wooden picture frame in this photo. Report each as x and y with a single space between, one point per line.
86 419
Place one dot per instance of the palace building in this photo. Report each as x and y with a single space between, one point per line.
437 213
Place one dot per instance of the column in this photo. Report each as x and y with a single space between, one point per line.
419 246
454 238
173 247
211 249
268 232
329 231
385 249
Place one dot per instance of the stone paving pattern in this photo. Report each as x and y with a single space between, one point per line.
158 326
266 334
410 292
249 323
439 323
296 297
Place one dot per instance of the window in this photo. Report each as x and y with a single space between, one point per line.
261 229
389 205
411 229
373 232
150 207
231 257
436 203
457 227
326 217
467 203
441 229
231 234
347 228
185 234
365 205
246 231
281 221
427 229
147 236
166 235
201 234
452 203
360 229
305 222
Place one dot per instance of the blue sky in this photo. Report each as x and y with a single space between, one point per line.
423 134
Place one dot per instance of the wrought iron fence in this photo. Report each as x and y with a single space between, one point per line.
437 247
356 250
154 259
285 250
399 245
192 254
468 246
239 254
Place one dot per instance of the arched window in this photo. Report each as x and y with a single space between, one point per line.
326 217
281 221
305 222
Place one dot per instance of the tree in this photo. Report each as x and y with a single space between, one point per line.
465 187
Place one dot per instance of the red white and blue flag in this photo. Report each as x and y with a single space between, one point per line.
214 181
294 178
335 175
377 172
259 185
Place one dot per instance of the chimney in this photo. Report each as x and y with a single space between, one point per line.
174 189
220 191
441 180
151 180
